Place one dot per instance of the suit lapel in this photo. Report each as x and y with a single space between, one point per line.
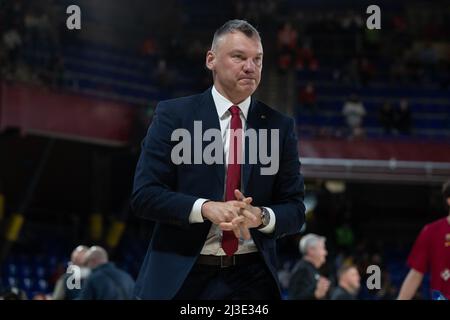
256 120
207 113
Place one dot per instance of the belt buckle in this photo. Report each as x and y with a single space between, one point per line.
222 259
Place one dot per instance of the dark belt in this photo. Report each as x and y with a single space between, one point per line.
226 261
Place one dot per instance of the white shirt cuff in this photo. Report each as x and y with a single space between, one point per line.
271 226
196 213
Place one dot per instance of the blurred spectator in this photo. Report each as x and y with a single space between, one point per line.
61 290
106 281
354 113
402 117
287 46
306 283
13 294
12 42
348 283
386 117
308 99
305 58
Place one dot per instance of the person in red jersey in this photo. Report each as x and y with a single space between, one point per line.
431 253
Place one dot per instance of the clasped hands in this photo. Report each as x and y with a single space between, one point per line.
234 215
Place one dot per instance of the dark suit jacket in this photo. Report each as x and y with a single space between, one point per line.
165 193
303 282
107 282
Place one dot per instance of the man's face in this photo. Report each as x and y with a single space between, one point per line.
352 278
319 252
78 257
236 63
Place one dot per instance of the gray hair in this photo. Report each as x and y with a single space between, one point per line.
78 254
309 240
95 256
232 26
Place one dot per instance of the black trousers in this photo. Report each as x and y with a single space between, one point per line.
243 282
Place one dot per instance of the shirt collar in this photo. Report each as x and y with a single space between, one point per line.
223 104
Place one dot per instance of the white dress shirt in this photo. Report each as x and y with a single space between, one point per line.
212 245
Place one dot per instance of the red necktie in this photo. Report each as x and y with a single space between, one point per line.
233 180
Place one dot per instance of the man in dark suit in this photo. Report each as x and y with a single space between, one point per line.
306 283
106 281
216 222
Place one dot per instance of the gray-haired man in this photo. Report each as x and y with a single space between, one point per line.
306 282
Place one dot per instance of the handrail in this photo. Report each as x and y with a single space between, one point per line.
389 164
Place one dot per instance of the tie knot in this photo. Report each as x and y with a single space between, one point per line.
234 110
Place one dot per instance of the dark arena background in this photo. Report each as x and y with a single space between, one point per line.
75 106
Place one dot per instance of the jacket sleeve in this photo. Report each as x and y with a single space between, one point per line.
154 196
287 201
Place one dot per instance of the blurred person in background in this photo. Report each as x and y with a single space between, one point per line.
431 253
61 290
305 58
349 282
403 118
287 46
306 282
106 281
308 99
12 43
386 117
354 112
13 293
